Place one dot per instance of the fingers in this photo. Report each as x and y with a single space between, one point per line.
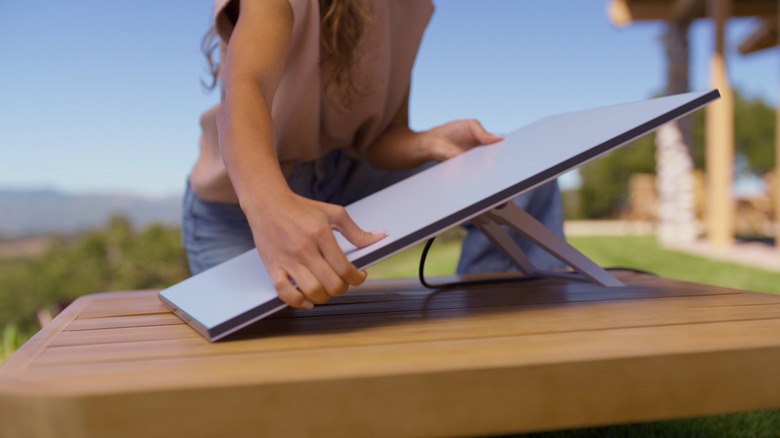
313 286
343 269
341 222
479 133
287 292
454 138
303 286
467 134
310 267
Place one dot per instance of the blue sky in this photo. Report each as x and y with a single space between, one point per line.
105 96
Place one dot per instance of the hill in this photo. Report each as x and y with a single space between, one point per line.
34 212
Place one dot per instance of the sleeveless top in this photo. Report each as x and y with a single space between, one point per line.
306 125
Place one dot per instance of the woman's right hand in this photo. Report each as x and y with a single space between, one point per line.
294 237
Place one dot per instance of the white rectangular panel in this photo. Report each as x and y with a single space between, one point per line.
238 292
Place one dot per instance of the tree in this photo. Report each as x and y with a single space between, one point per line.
754 134
604 182
604 187
115 258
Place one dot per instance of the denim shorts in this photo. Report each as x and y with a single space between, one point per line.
212 232
215 232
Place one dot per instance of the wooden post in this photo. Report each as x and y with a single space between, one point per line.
777 152
720 137
777 176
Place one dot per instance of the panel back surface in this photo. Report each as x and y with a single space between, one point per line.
238 292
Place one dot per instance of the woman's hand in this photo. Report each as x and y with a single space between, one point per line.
294 237
454 138
400 148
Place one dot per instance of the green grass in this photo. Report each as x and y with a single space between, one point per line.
744 425
441 260
636 252
642 252
11 339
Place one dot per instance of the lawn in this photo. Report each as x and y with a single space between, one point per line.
636 252
642 252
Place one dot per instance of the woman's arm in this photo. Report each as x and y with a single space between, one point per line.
400 148
293 234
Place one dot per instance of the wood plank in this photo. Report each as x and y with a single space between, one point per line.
336 331
316 364
146 320
374 293
685 10
373 299
500 297
763 36
124 307
120 295
461 403
31 349
127 334
504 400
624 12
419 363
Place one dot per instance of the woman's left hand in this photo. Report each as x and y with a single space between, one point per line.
401 149
451 139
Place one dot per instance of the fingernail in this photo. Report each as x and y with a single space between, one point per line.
384 233
308 304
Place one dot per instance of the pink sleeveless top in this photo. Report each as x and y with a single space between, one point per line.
306 124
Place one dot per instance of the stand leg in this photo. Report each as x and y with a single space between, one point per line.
503 241
533 230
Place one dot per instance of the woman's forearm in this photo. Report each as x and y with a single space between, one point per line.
399 148
256 54
247 144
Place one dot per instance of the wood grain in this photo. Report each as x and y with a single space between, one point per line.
392 359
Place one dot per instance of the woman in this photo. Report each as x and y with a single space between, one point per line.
313 116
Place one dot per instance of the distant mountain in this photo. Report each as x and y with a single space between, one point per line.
33 212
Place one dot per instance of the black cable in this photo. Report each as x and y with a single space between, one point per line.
491 281
633 270
456 284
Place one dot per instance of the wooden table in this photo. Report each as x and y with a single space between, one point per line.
392 359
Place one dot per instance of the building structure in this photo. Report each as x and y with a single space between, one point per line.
673 187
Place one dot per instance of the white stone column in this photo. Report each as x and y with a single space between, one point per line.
675 186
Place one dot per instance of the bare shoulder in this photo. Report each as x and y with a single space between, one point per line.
268 12
259 44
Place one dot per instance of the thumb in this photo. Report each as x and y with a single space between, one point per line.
341 222
481 135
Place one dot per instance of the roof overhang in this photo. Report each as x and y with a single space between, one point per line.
763 37
625 12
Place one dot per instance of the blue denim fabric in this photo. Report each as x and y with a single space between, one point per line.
478 255
216 232
213 232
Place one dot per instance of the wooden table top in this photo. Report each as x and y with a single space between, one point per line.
393 359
